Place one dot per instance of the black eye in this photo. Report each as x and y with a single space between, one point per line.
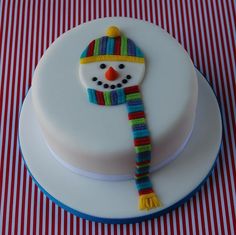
121 66
102 66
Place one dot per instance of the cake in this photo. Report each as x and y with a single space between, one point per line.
114 102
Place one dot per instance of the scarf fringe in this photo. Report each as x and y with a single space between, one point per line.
149 201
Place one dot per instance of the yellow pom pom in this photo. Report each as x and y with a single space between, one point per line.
113 32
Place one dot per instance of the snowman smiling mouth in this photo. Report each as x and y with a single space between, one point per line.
111 75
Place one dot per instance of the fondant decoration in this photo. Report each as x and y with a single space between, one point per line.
109 58
110 75
111 48
96 141
101 200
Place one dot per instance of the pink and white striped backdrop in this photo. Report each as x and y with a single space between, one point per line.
205 28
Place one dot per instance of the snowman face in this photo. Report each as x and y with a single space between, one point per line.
111 75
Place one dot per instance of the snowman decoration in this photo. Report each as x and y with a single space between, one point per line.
111 69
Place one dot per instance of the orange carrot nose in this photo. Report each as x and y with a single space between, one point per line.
111 74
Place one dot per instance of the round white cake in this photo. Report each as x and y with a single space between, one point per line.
96 140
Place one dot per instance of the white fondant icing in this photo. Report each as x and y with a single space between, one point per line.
96 138
88 71
116 200
100 176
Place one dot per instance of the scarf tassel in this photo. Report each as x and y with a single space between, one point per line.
149 201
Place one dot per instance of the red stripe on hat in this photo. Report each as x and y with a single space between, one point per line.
142 141
131 89
90 48
136 115
100 98
117 46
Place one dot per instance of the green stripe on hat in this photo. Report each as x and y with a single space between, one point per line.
96 47
123 48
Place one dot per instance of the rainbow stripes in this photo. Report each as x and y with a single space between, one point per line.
107 98
141 137
107 48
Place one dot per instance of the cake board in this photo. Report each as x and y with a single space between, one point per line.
116 202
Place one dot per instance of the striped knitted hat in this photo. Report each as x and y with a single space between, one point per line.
112 47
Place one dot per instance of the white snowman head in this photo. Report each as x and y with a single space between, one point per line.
111 62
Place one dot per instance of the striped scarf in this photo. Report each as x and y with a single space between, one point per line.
141 137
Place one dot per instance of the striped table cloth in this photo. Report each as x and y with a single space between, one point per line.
206 29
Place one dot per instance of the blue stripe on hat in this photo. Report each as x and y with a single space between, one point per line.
131 47
139 53
84 53
110 46
103 46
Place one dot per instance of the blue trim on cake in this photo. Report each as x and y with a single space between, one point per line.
121 220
